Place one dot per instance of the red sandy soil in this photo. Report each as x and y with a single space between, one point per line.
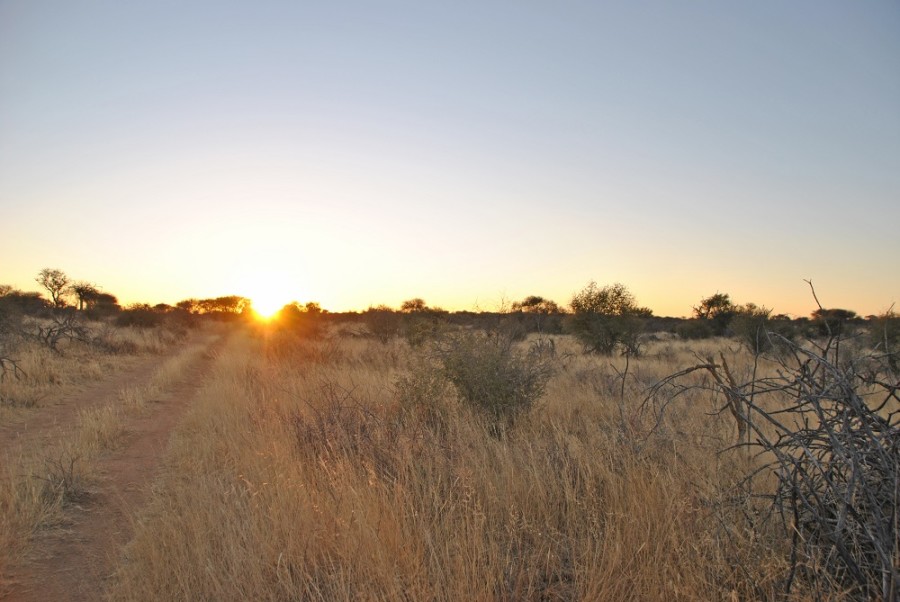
72 561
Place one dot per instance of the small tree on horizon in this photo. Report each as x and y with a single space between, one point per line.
831 322
717 310
750 325
538 313
604 318
412 306
84 293
56 283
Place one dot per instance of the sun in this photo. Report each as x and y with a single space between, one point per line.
266 305
267 292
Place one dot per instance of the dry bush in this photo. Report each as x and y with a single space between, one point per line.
824 420
63 479
490 374
382 322
39 372
836 447
23 509
885 337
62 326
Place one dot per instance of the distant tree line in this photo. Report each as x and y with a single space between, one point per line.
605 319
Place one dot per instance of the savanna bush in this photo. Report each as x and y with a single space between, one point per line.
491 375
382 322
139 317
421 393
694 329
606 318
750 326
420 329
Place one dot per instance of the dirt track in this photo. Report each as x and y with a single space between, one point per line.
73 561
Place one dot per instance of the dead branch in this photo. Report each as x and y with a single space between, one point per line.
828 429
8 365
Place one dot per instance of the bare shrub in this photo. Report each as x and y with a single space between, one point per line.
105 340
63 325
10 332
836 450
885 337
63 479
826 425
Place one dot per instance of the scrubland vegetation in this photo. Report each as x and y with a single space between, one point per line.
470 467
529 454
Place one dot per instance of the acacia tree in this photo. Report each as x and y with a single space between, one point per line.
84 293
537 312
604 318
535 304
412 306
56 283
223 306
103 303
189 305
718 310
832 321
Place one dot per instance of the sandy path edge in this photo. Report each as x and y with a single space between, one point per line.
73 562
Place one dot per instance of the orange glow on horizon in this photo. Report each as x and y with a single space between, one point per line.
266 305
268 291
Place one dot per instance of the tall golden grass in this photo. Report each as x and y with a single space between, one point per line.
298 474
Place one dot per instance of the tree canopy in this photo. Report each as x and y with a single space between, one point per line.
56 283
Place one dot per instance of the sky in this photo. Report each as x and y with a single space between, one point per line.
357 153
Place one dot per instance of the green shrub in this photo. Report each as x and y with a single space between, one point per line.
604 318
750 325
491 375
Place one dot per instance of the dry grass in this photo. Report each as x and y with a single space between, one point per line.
47 375
298 474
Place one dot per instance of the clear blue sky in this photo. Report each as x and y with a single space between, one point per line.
357 153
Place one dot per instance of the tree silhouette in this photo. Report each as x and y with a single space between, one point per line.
718 310
534 304
84 292
411 306
56 283
831 321
536 313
